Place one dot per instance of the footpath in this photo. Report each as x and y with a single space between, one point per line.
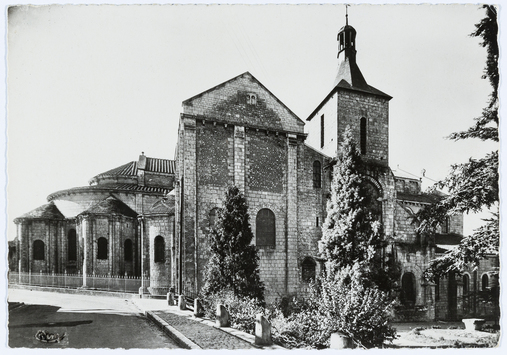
182 327
191 332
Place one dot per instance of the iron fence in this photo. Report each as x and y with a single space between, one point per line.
127 284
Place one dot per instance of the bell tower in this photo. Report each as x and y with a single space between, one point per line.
351 103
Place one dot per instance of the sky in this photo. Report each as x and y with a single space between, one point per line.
91 87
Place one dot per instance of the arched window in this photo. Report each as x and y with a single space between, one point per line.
102 248
127 250
159 249
317 174
363 135
38 250
71 245
407 296
466 284
265 228
308 269
212 218
485 282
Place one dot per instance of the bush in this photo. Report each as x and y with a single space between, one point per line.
242 310
343 304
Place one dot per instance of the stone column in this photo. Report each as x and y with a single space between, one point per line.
189 262
291 241
239 158
140 220
22 233
84 232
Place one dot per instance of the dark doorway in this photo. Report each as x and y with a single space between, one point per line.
407 296
452 297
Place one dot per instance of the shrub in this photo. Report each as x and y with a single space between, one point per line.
242 309
360 311
344 303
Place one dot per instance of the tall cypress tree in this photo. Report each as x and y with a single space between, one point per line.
351 233
234 263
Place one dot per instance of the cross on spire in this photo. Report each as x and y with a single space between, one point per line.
346 14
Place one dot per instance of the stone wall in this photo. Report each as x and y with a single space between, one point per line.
351 107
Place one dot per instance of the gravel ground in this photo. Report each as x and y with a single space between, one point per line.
455 338
203 335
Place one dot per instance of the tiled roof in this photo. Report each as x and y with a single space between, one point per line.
109 206
47 211
129 169
110 187
155 165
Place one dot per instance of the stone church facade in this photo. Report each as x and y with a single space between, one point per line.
152 216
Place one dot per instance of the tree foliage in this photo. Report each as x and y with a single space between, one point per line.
233 263
474 185
352 232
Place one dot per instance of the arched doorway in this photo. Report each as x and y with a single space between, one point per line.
408 291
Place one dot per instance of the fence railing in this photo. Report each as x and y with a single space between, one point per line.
127 284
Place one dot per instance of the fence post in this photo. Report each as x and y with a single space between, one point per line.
262 330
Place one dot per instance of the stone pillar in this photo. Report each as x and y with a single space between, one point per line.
239 158
84 233
182 303
22 233
198 310
291 273
189 262
262 331
340 341
170 299
140 220
222 316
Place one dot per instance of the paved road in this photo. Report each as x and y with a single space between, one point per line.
87 321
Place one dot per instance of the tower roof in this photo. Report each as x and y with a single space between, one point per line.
109 206
47 211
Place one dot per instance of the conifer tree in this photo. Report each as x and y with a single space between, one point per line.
234 263
351 233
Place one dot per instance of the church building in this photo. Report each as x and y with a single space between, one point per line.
152 216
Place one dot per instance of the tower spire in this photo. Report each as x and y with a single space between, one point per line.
347 66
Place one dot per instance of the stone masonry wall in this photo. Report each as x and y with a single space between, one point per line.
160 272
351 107
215 171
311 208
227 102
